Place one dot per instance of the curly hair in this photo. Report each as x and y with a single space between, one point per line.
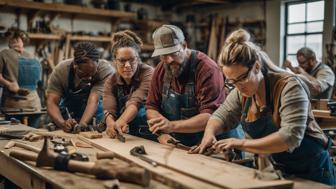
125 38
15 33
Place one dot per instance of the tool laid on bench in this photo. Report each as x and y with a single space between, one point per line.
102 169
139 151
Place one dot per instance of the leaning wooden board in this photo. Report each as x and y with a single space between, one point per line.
205 169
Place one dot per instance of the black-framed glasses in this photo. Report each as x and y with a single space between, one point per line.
243 78
122 61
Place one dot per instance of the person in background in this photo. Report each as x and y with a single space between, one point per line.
20 72
274 109
187 87
76 87
125 91
318 76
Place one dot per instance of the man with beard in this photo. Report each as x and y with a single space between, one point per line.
318 76
186 88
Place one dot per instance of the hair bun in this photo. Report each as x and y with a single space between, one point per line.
126 35
238 36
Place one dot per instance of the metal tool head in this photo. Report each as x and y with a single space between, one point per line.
46 157
229 155
138 150
101 127
121 138
76 129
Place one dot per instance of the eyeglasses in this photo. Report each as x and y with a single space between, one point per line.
231 83
122 61
83 74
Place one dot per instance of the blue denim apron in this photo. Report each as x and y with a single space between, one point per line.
310 160
138 126
29 73
176 106
76 99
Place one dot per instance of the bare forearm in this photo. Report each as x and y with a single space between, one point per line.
213 127
129 114
194 124
4 82
272 143
89 112
55 114
152 114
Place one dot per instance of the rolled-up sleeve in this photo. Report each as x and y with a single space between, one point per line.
294 113
229 112
325 78
109 99
139 96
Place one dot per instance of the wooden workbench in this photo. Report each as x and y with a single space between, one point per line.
28 176
324 119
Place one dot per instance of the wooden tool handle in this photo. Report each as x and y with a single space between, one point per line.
105 155
27 147
23 155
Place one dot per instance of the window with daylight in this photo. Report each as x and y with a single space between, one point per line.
304 28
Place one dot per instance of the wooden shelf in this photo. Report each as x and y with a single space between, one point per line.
63 8
147 47
44 36
90 38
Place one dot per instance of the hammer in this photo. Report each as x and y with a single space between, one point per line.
102 169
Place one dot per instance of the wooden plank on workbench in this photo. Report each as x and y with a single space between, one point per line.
323 114
208 170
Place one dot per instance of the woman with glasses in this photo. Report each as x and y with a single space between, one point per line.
20 72
274 110
75 89
126 90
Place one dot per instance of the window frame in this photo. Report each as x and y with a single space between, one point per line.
305 33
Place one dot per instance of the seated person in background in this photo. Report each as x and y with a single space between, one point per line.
77 85
318 76
274 110
125 91
19 73
187 87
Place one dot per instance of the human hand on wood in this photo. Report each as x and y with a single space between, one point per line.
121 126
207 142
115 128
230 143
160 125
68 125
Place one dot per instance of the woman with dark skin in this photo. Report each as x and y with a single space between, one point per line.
125 91
274 110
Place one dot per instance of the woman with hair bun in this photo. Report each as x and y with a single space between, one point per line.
274 110
125 91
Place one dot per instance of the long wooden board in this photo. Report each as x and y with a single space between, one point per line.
216 173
